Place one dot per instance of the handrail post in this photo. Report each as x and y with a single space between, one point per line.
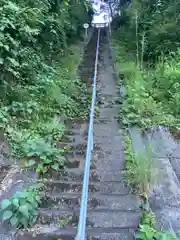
81 232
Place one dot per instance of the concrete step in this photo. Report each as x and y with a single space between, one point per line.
77 174
99 218
104 130
71 174
56 186
51 232
95 201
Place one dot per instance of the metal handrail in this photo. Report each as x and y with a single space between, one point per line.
81 232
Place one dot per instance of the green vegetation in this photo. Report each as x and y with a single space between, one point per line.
148 61
40 45
32 123
147 229
21 209
141 174
152 95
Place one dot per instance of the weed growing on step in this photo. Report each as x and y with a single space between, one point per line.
63 222
147 229
51 131
38 152
21 209
140 173
139 170
41 155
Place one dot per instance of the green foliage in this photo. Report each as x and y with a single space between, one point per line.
21 209
63 222
41 155
166 79
51 131
149 61
31 123
31 33
147 101
147 229
148 67
43 83
158 20
36 147
140 170
148 218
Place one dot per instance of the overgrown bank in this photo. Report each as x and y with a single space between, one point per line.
40 51
38 79
147 62
151 95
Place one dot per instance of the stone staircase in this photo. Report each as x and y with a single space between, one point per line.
113 212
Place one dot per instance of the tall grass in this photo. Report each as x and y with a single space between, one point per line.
140 170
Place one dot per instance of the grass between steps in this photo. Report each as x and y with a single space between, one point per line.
141 173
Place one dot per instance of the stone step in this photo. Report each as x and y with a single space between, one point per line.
53 232
102 130
74 145
77 131
111 161
103 120
81 152
108 104
58 186
87 72
95 201
99 218
77 174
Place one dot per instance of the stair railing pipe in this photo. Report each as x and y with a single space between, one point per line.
81 232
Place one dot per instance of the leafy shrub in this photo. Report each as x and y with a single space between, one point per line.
148 233
71 96
41 155
31 33
166 81
21 209
20 109
51 131
147 229
4 117
138 106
